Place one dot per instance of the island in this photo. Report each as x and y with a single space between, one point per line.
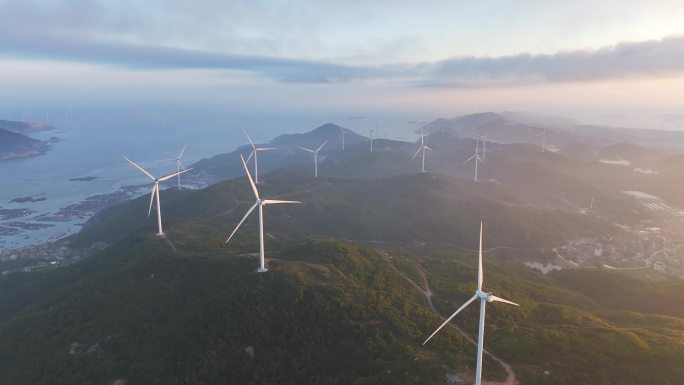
13 145
83 179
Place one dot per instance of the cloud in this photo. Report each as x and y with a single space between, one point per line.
625 60
159 57
652 58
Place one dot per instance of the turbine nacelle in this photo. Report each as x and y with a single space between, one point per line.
484 295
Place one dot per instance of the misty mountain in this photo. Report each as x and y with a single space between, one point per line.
286 152
14 145
562 134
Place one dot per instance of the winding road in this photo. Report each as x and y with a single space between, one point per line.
427 293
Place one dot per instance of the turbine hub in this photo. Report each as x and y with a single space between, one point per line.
483 295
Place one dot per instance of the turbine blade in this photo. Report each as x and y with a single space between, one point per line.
499 299
469 159
319 148
139 168
154 189
249 176
275 202
248 138
182 151
452 316
479 263
306 149
250 155
243 219
265 148
416 154
165 178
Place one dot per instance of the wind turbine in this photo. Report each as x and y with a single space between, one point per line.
155 191
261 203
315 152
484 298
179 165
343 133
476 157
423 147
254 152
370 130
543 135
483 139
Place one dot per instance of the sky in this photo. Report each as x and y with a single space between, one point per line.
607 62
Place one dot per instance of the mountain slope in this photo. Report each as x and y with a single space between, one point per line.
14 145
326 313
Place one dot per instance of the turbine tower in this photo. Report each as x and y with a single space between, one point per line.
483 139
371 131
476 157
423 147
543 143
484 298
179 165
261 203
315 153
155 191
343 134
254 152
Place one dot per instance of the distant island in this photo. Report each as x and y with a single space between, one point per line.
83 179
24 127
14 144
28 199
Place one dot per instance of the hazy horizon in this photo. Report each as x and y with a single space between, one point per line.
611 63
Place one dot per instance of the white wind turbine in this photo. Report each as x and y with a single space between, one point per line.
484 298
423 147
343 134
254 152
371 131
543 143
483 139
179 165
476 157
155 191
261 203
315 153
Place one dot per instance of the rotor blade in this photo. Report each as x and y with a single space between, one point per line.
469 159
499 299
452 316
181 165
416 154
275 202
249 176
319 148
427 148
248 138
250 155
182 151
165 178
154 189
306 149
265 148
139 168
243 219
479 263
